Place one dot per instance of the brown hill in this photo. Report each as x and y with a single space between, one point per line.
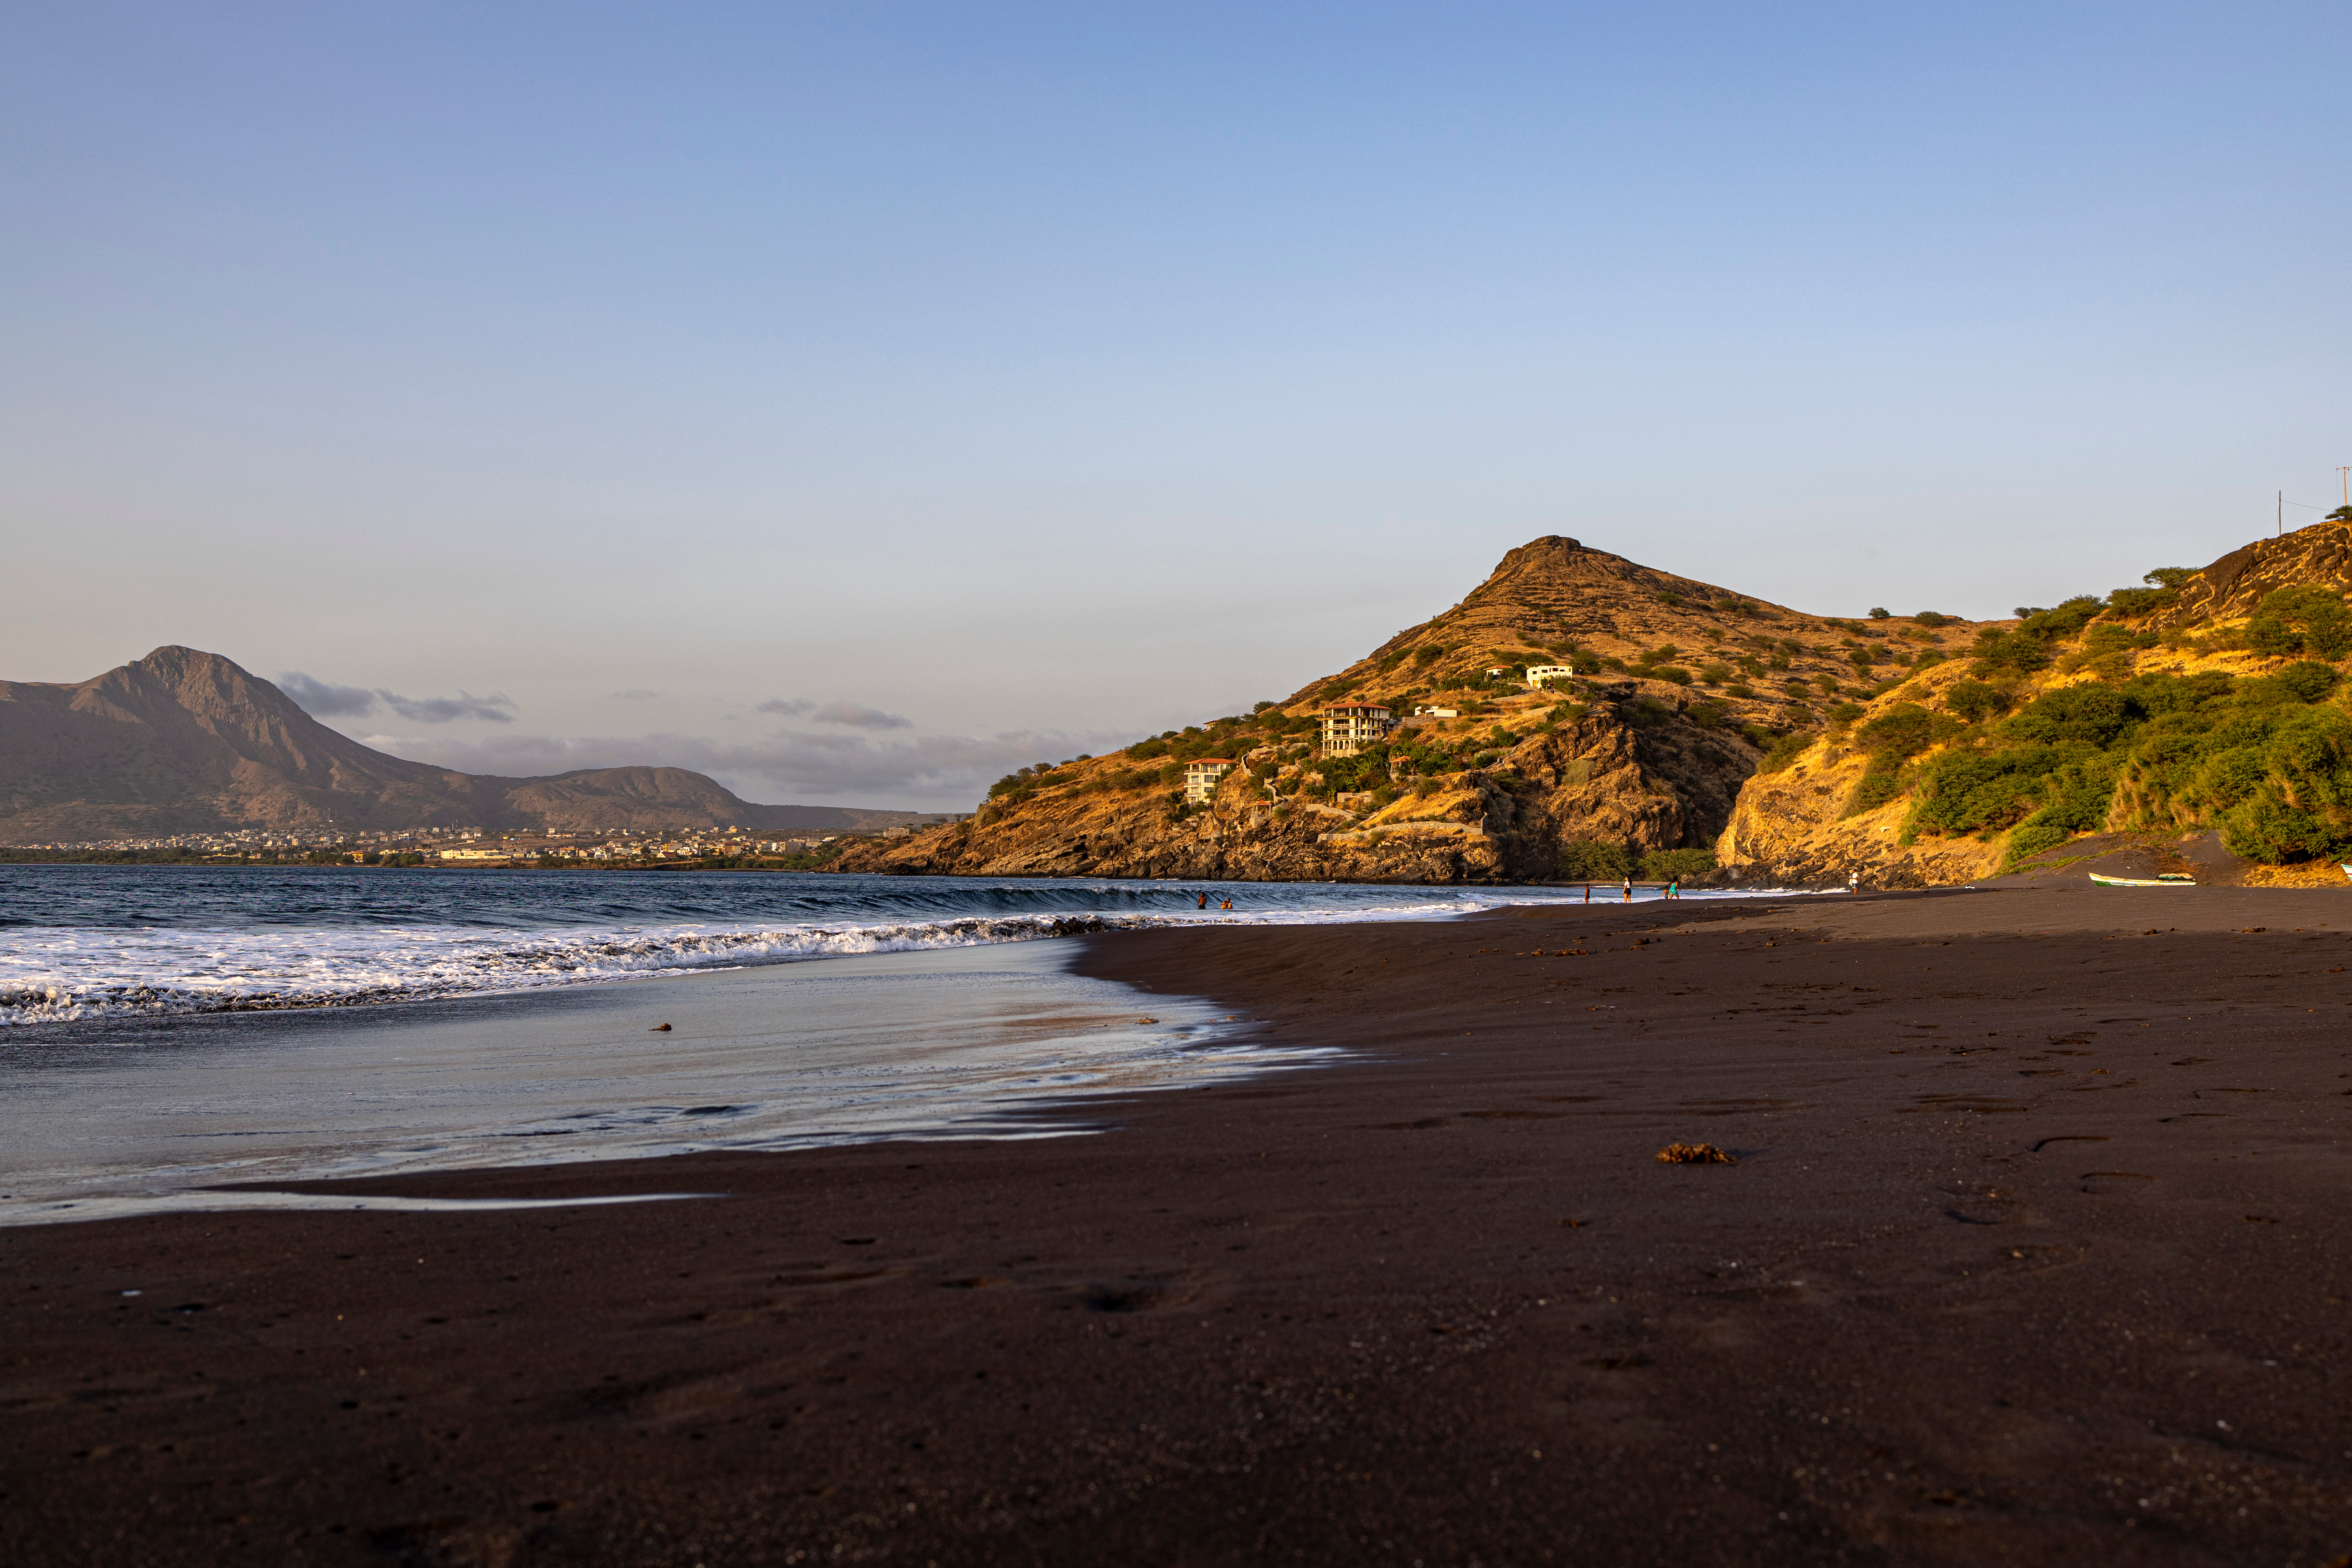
185 742
1680 686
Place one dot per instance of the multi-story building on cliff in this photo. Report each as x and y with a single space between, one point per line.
1540 673
1202 778
1351 726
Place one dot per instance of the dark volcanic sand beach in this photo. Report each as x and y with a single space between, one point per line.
2034 1252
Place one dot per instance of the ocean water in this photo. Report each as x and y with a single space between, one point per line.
168 1031
88 943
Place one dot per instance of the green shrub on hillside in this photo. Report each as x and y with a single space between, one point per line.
2093 715
1998 652
1785 750
1891 740
2076 800
2068 617
1974 701
1676 864
2301 620
2134 603
1872 791
2258 758
1595 860
1903 731
1981 791
2307 681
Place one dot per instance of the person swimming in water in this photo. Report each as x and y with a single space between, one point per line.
1204 900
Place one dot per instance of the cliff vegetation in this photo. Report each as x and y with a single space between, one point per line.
2198 700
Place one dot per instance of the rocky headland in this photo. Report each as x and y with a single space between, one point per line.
1678 689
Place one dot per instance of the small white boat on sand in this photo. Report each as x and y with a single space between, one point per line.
2163 879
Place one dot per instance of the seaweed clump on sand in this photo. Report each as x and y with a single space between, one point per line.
1694 1154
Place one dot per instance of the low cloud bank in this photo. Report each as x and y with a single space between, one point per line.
854 714
324 699
847 769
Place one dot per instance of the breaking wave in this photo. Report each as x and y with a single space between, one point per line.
82 943
83 975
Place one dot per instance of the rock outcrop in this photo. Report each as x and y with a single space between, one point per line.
1666 786
2319 557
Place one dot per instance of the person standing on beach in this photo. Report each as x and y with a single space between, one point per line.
1674 888
1629 887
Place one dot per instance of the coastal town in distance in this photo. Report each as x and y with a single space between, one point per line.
730 847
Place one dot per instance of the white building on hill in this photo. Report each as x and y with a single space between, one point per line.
1350 727
1203 777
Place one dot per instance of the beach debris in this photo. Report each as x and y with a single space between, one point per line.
1694 1154
658 1029
1147 1020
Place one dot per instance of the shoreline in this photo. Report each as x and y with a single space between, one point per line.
2030 1254
976 1042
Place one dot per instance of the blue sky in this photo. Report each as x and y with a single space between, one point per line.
584 379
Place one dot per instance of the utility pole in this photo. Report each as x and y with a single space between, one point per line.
2346 471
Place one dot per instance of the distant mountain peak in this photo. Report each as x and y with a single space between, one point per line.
184 740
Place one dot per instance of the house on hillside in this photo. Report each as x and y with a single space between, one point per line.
1203 777
1538 674
1350 727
